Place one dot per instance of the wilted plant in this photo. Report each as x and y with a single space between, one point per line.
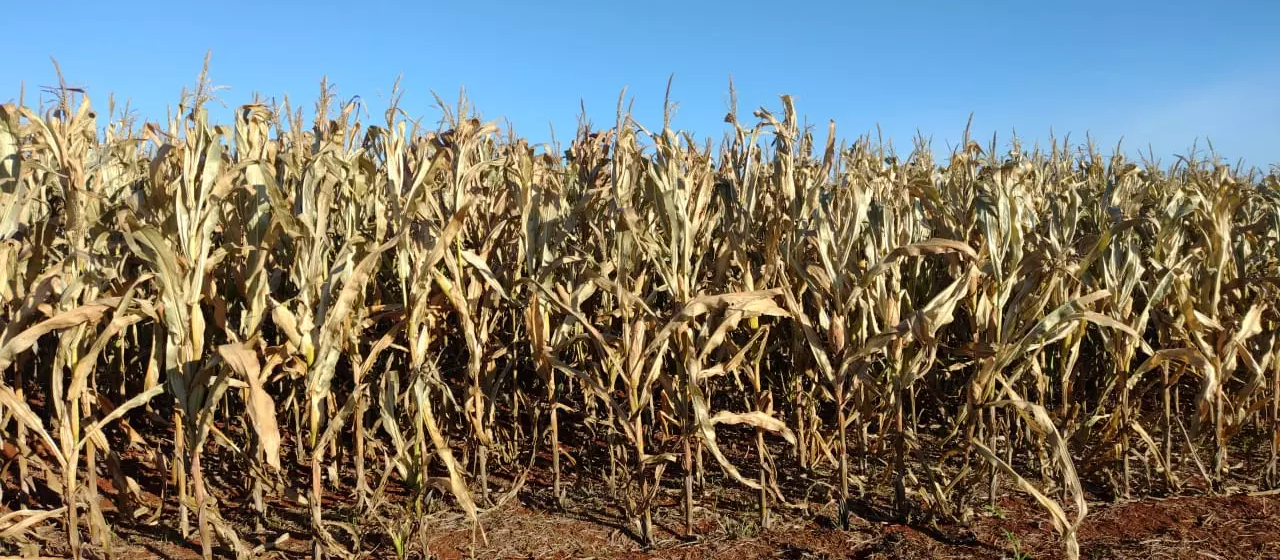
378 306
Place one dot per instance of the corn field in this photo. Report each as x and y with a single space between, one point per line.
340 309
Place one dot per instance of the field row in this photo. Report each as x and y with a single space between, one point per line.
343 307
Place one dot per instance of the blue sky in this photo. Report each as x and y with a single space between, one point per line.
1162 74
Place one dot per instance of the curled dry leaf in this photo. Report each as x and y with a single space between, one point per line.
260 406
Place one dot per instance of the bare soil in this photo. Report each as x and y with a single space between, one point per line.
1239 524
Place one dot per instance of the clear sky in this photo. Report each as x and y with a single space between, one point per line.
1162 74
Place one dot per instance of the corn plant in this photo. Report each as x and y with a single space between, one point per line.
365 307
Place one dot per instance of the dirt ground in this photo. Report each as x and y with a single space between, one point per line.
1227 527
1240 523
1223 527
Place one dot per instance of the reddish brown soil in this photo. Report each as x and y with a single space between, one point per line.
1239 525
1199 527
1224 527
